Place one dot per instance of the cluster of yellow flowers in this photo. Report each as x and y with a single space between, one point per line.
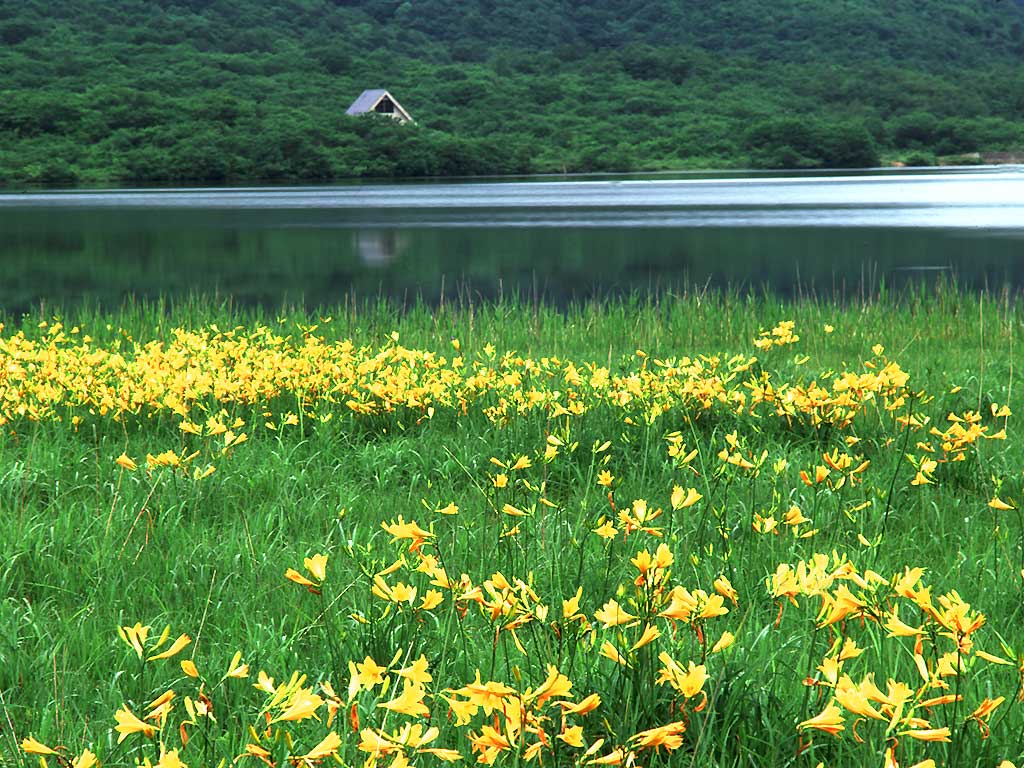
943 648
779 336
959 437
390 709
489 718
652 638
64 375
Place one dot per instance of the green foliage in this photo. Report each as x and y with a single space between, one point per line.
90 547
215 92
790 142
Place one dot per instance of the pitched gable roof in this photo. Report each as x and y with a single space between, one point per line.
369 99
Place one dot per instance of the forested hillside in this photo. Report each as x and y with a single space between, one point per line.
151 90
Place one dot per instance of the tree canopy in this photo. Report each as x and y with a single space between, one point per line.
201 91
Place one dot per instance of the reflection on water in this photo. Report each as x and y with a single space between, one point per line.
565 240
377 248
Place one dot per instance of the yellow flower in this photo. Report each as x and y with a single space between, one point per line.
668 736
992 658
985 709
683 604
369 673
215 427
829 720
127 723
292 575
938 701
176 646
189 428
417 672
555 685
572 736
854 700
160 707
921 479
488 739
651 633
431 600
663 557
254 750
928 734
169 759
829 668
609 651
409 702
134 636
523 462
237 669
32 747
126 463
317 566
850 650
201 707
489 695
508 509
189 668
265 683
165 459
326 748
611 614
447 755
376 743
302 705
642 561
688 682
713 606
682 499
727 639
400 593
571 607
999 504
724 587
404 530
794 516
897 628
844 603
582 707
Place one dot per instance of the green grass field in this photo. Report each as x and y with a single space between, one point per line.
630 498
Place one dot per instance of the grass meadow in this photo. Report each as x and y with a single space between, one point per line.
701 530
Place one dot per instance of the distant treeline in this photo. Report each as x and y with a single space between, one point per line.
198 91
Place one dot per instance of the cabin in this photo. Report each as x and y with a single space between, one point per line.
379 101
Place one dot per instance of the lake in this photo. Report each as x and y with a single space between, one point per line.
558 239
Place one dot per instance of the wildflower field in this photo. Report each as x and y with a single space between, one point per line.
702 531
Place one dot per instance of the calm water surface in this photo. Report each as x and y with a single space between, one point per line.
560 239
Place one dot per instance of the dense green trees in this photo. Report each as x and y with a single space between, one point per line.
218 91
801 142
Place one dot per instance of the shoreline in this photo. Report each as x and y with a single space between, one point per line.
682 174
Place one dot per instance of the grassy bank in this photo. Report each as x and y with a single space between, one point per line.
681 531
